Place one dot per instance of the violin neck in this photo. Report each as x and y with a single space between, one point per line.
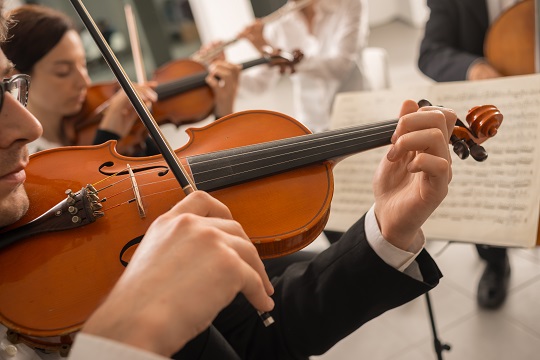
195 81
172 88
256 161
252 63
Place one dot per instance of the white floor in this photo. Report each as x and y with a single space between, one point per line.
512 332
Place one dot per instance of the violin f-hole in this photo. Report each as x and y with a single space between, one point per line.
163 172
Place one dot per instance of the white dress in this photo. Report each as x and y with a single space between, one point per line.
331 57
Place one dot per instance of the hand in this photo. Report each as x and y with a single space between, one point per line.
412 180
254 33
120 115
206 50
223 79
191 263
481 71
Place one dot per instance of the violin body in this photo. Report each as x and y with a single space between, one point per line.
52 282
184 97
193 105
187 105
509 44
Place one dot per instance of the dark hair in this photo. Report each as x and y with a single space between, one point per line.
32 32
3 22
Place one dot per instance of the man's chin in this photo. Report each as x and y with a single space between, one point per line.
13 207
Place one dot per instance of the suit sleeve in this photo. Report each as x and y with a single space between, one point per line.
321 301
442 57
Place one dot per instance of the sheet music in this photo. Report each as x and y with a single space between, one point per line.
495 202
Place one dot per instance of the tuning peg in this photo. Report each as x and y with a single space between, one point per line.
460 147
424 102
478 152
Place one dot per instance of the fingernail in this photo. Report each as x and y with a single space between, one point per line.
271 302
393 138
391 153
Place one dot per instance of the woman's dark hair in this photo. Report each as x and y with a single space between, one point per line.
32 32
3 22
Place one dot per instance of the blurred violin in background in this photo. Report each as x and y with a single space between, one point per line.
510 41
183 97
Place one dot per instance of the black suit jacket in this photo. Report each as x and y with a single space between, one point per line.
453 39
318 303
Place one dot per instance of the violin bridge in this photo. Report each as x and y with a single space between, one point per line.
138 199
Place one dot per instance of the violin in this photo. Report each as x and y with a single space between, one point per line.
183 98
510 41
84 224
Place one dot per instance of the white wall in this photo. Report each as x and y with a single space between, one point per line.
223 20
414 12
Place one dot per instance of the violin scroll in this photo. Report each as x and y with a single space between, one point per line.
483 123
484 120
284 60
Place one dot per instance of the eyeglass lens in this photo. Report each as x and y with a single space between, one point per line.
18 88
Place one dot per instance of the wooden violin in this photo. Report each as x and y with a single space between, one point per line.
60 261
510 41
183 98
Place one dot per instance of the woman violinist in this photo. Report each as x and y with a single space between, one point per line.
44 43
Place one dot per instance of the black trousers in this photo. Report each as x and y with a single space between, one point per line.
493 255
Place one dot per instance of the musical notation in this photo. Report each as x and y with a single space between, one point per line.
495 202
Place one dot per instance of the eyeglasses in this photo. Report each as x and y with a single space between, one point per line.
17 86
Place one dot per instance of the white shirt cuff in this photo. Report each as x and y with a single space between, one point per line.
91 347
393 256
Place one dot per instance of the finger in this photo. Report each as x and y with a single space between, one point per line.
435 167
437 173
449 115
248 252
202 204
431 141
408 106
212 81
420 120
220 71
254 290
148 94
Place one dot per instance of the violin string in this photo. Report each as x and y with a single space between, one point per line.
105 179
255 169
376 137
386 128
141 185
309 139
145 196
125 179
386 131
